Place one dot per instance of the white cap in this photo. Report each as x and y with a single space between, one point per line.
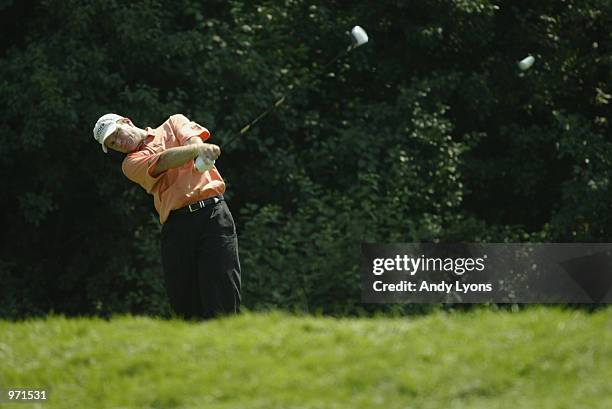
106 125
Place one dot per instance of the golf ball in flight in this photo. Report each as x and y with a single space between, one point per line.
526 63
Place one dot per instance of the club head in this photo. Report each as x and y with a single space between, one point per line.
358 37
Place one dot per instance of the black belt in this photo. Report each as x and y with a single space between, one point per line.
194 207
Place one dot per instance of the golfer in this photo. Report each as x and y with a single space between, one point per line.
199 246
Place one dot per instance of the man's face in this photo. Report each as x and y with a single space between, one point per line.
125 139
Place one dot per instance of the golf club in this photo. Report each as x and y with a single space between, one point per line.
358 38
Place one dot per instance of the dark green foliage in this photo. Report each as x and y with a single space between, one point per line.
428 133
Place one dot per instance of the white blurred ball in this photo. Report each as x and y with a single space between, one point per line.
526 63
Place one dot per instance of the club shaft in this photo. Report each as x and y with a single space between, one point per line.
279 102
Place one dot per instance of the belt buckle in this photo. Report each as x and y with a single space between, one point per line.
196 209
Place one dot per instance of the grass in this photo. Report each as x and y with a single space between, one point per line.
539 358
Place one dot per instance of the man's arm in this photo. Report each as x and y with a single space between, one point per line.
194 140
175 157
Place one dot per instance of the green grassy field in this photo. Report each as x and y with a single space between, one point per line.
541 358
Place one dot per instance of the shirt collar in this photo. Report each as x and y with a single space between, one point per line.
149 138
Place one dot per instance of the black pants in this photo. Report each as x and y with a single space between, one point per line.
201 264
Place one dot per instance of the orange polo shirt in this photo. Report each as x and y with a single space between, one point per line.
177 187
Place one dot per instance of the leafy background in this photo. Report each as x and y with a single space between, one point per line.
428 133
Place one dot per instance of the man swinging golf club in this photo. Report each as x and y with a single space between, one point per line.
199 245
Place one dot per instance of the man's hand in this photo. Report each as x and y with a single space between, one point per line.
209 151
205 160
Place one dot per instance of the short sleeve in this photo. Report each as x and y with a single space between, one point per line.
138 167
184 129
